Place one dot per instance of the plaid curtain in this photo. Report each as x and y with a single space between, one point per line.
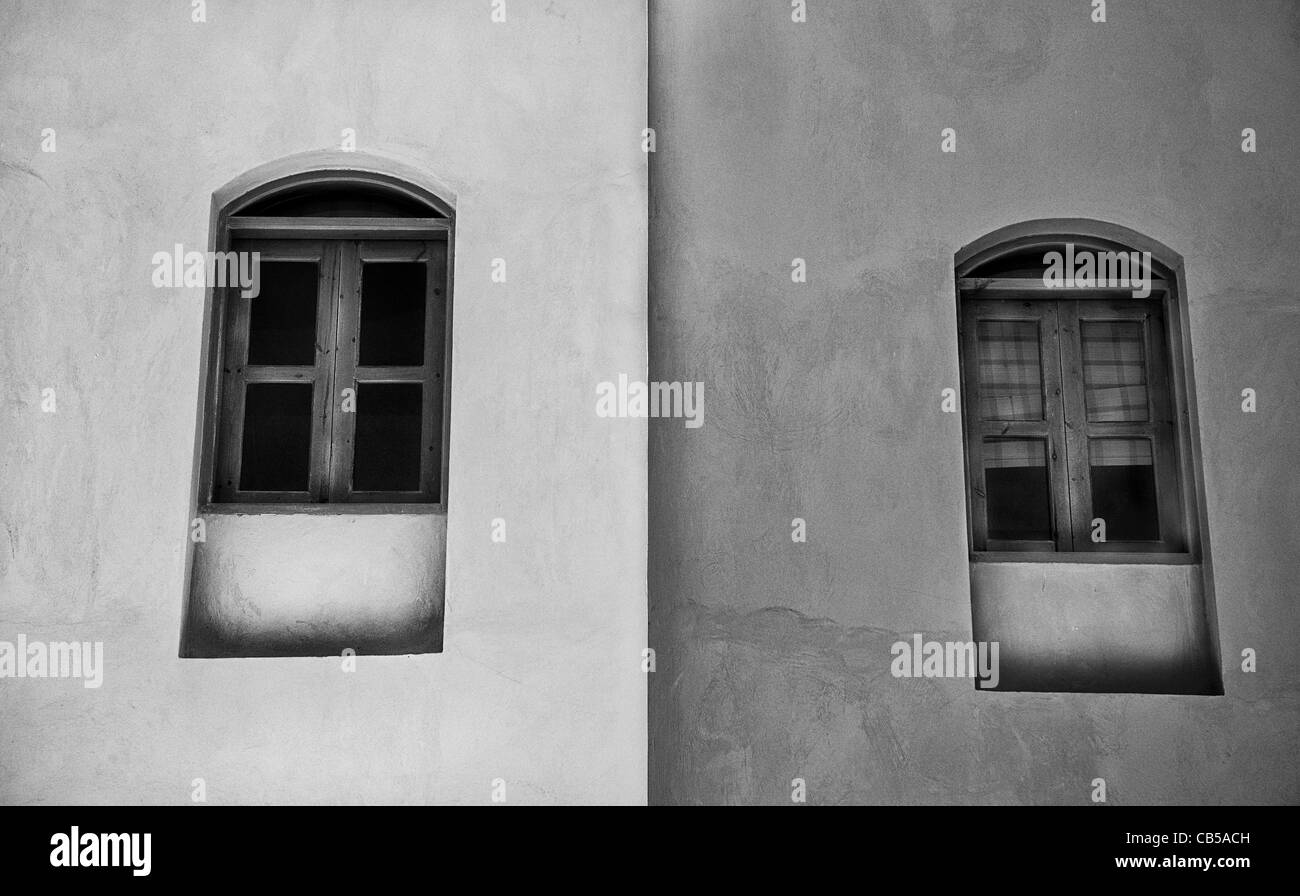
1003 453
1011 376
1119 452
1114 371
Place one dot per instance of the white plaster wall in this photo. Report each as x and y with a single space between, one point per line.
294 584
535 125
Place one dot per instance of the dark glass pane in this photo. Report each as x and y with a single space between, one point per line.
282 316
387 453
341 200
1023 263
1018 497
1110 267
1114 370
277 437
1124 488
1010 372
392 314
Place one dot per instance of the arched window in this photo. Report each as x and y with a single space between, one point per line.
1089 550
331 384
1075 394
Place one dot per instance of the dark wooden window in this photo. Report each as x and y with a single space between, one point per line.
332 385
1069 417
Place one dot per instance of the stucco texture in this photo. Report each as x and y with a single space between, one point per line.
821 141
534 126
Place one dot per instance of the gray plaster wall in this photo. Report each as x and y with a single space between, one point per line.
534 125
821 141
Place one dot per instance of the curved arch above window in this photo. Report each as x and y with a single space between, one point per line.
324 168
336 204
339 193
339 198
1004 249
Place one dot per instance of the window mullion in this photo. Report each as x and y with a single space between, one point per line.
343 371
319 479
1074 427
330 348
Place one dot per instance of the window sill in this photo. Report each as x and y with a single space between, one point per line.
1134 627
322 509
279 584
1093 557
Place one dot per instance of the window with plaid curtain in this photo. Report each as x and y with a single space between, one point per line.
1069 415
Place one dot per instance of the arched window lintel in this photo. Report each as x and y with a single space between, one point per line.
1050 232
328 168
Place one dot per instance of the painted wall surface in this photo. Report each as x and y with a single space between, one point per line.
534 124
821 140
280 584
1094 627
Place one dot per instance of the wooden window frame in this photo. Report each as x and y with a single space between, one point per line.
235 374
1048 429
1158 428
1064 428
349 373
341 246
1171 422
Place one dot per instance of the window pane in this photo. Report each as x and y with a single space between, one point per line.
387 454
1124 488
392 314
1114 370
282 317
277 437
1010 370
1017 494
